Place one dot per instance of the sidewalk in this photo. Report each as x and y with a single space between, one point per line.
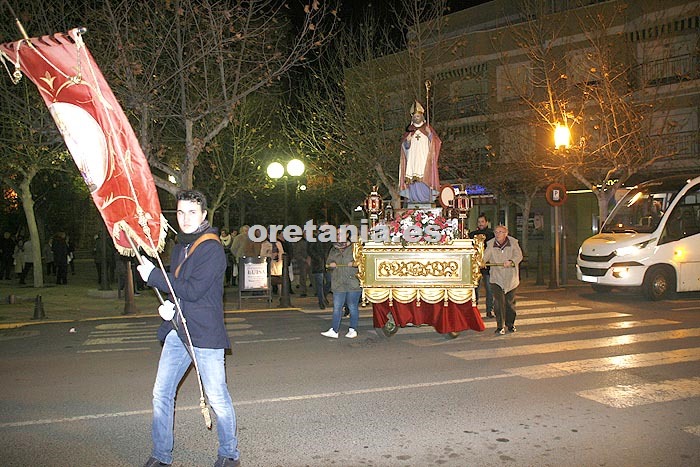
81 300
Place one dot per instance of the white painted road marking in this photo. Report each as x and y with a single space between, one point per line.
623 396
565 346
556 331
302 397
620 362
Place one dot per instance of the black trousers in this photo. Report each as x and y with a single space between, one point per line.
503 306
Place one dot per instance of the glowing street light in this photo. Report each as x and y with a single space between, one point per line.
562 136
276 171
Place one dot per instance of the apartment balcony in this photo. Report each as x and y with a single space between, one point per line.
685 150
464 106
666 71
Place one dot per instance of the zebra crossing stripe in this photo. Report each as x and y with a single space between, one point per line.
114 350
561 319
555 331
621 362
624 396
551 309
533 302
600 342
119 340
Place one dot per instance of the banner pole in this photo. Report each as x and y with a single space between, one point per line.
17 22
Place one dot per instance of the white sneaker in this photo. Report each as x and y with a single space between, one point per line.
330 333
351 334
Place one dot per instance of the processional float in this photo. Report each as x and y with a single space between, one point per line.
419 266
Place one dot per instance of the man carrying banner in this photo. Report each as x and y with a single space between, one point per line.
198 264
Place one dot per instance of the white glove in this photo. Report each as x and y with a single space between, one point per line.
167 310
145 269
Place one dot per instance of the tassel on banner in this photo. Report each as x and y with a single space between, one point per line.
205 413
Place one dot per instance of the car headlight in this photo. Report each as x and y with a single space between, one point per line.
633 249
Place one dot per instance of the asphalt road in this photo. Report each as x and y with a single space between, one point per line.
586 380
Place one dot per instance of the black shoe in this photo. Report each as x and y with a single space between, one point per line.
511 329
153 462
303 295
322 306
500 331
489 314
226 462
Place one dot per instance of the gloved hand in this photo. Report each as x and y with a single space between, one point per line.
145 269
167 310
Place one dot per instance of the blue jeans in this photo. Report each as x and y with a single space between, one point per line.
174 362
352 300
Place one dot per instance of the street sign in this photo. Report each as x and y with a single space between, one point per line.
555 194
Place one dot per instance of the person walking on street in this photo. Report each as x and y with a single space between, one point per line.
198 282
482 225
504 255
345 285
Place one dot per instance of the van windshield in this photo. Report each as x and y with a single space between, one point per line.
641 209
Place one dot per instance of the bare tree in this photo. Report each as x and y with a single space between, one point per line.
587 85
356 104
230 165
30 144
182 68
29 140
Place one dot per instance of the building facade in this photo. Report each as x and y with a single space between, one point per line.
495 104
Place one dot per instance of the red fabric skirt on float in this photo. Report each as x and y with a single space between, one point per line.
454 317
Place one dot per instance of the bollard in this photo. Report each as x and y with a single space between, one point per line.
38 308
11 299
285 301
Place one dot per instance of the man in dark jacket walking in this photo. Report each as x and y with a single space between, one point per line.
198 265
482 225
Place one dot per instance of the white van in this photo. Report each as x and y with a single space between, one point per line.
650 239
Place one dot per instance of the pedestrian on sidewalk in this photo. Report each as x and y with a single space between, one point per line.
198 282
504 255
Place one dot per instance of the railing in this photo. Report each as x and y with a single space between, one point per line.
667 70
465 106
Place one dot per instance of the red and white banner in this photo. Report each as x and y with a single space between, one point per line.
98 135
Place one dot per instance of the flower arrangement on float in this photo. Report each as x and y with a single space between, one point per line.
417 226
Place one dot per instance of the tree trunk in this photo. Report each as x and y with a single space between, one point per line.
28 206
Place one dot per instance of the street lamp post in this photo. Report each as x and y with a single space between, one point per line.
556 195
276 171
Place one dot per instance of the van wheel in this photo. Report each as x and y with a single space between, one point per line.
601 288
659 283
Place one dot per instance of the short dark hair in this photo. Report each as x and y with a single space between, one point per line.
484 216
194 196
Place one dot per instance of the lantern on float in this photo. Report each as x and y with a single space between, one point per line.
373 206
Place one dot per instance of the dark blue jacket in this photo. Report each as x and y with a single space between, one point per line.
200 289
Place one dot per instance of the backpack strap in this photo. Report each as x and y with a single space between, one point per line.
200 240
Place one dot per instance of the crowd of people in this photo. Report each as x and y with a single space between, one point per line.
17 257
